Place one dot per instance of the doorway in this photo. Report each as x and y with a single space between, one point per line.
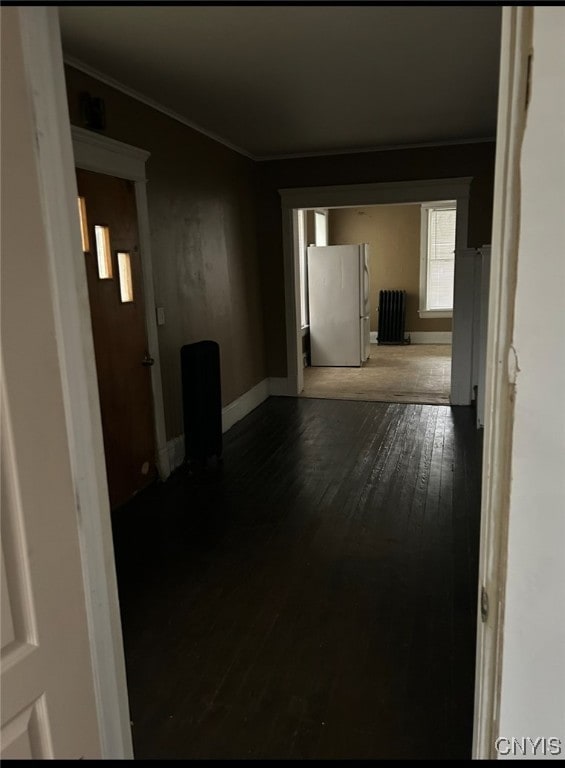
397 193
408 303
110 242
108 158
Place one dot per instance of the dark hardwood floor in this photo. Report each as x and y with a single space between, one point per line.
315 597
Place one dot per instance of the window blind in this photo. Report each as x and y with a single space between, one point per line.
441 258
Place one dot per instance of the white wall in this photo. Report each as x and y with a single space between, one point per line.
533 668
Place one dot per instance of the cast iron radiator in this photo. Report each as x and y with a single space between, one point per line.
392 317
201 401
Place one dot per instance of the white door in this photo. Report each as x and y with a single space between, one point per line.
333 282
47 688
48 707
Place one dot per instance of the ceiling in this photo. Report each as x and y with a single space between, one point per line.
291 80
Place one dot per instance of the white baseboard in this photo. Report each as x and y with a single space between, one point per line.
175 448
421 337
430 337
241 406
164 461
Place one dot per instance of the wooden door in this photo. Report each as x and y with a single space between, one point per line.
115 287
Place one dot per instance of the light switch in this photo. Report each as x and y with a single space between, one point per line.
160 315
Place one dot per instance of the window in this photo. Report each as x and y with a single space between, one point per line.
437 258
103 253
124 271
83 224
308 220
321 227
303 262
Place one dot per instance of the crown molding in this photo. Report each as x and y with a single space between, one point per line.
381 148
125 89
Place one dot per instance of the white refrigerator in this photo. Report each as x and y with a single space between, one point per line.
338 294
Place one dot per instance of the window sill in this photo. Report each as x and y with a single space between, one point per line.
431 313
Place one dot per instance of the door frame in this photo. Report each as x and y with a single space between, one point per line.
101 154
386 193
500 375
43 59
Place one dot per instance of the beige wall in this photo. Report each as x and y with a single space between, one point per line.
393 232
202 210
476 160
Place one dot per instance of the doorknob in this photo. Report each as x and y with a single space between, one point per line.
148 360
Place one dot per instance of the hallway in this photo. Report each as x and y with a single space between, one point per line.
315 596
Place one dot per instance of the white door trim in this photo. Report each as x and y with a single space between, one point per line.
356 195
104 155
517 24
45 75
484 270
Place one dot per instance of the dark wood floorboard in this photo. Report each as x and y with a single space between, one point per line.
314 596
